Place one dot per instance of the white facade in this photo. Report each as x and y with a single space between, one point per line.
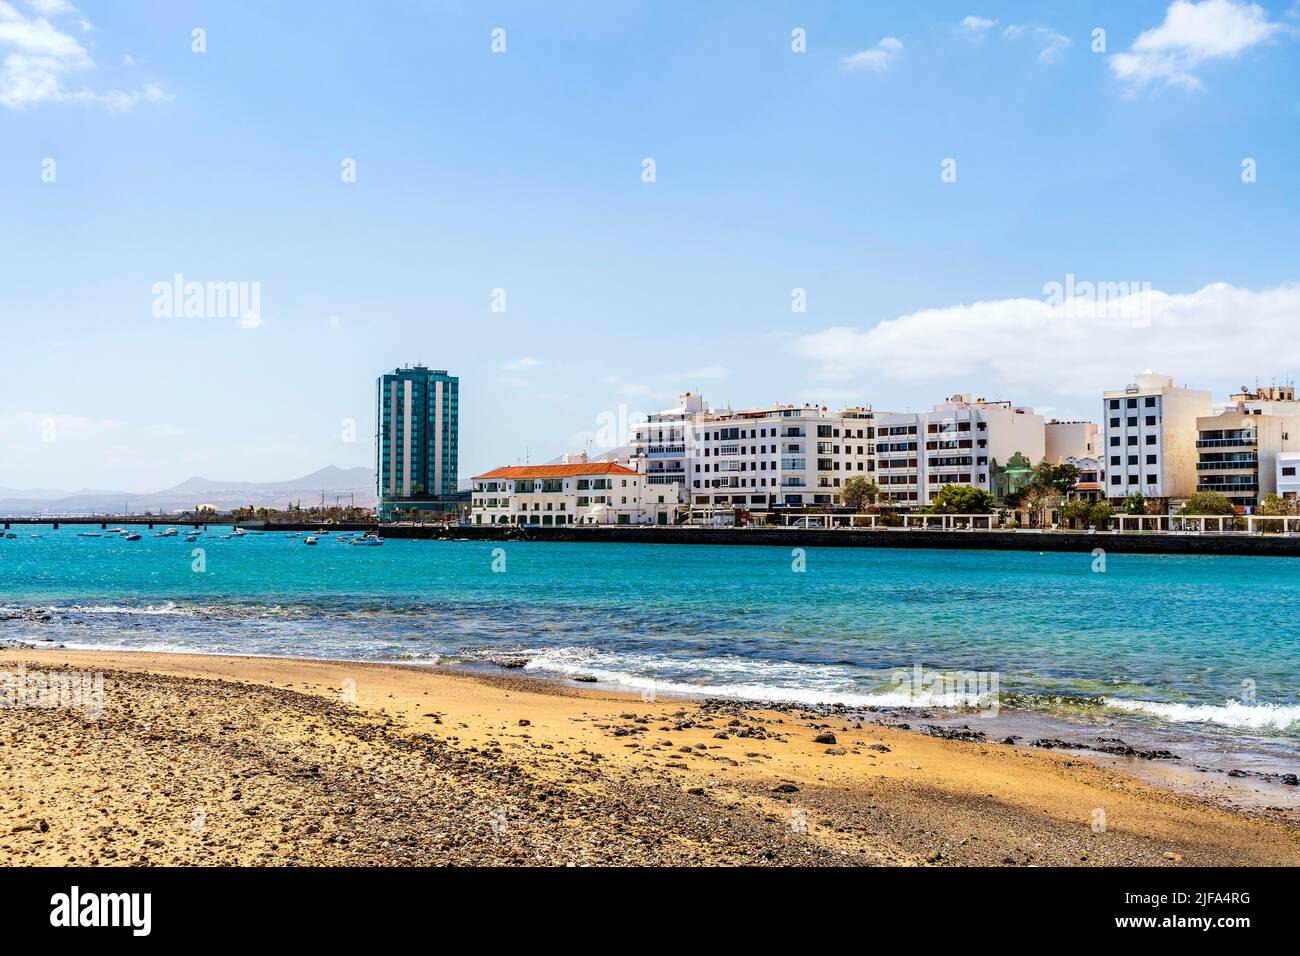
1288 474
1150 434
959 441
572 493
758 459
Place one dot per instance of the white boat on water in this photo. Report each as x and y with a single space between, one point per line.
310 539
89 534
239 532
131 536
191 537
166 533
369 541
116 531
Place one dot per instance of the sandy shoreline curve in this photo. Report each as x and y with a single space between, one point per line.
217 760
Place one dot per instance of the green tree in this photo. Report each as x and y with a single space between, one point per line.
1276 507
1077 511
1208 503
1060 478
1134 504
1099 513
858 492
962 500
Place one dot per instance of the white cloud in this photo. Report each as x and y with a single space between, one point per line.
977 24
1074 347
877 59
38 56
1054 43
1191 33
520 364
51 8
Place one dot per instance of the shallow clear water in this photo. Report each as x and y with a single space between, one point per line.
1207 645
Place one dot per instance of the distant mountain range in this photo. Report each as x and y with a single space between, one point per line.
347 485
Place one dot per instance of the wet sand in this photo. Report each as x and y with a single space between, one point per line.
207 760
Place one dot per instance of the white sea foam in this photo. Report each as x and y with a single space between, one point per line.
1233 713
167 607
735 678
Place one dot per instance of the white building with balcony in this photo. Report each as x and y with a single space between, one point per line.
1239 448
959 441
1150 430
758 459
580 492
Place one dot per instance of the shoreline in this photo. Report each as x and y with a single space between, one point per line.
752 780
1142 752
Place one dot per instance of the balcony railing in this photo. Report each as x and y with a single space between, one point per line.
1227 464
1228 486
1225 442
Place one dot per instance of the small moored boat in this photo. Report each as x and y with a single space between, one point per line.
310 539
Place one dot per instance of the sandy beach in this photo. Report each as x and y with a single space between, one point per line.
207 760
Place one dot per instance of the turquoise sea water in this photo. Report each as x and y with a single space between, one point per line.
1204 643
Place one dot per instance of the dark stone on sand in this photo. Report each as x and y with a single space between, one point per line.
824 738
785 788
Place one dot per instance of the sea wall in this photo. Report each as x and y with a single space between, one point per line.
1273 545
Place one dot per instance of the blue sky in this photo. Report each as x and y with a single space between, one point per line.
774 170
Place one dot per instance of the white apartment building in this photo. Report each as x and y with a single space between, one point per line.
1150 433
758 459
1288 474
575 492
959 441
659 444
1240 447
